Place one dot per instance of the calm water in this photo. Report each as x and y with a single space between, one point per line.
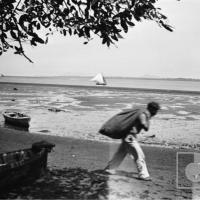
85 108
181 85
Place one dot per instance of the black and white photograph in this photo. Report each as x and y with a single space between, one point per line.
100 99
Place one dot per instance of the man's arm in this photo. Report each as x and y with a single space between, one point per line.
144 121
143 124
134 131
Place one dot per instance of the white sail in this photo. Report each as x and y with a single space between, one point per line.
99 79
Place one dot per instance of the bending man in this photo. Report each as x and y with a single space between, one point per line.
130 145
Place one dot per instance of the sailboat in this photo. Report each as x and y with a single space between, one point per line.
99 79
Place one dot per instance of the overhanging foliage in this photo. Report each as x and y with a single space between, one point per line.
26 20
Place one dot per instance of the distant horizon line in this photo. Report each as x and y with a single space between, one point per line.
122 77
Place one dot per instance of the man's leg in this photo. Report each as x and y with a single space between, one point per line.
137 154
118 157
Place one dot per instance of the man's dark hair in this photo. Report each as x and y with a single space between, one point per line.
153 106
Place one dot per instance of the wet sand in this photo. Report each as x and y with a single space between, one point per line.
92 106
76 171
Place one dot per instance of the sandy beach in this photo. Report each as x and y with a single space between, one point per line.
75 167
91 107
76 171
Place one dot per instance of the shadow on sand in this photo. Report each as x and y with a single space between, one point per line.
72 183
81 184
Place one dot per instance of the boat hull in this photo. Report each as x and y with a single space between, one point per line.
22 166
103 84
17 121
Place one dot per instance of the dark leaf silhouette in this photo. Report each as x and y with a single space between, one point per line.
169 28
64 32
24 20
130 23
38 26
13 34
124 26
39 40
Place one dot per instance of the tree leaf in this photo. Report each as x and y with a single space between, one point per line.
13 34
70 31
38 26
114 37
39 40
33 43
130 23
120 36
64 32
118 7
46 41
124 26
104 40
167 27
87 32
22 19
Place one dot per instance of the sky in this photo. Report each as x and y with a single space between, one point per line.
146 50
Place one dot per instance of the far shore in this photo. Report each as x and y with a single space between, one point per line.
92 156
107 87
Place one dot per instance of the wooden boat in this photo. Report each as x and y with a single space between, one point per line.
21 166
99 79
16 118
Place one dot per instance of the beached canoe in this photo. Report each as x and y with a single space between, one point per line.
22 166
16 118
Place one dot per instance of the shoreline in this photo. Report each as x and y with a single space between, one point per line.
112 77
150 90
5 133
92 108
109 141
